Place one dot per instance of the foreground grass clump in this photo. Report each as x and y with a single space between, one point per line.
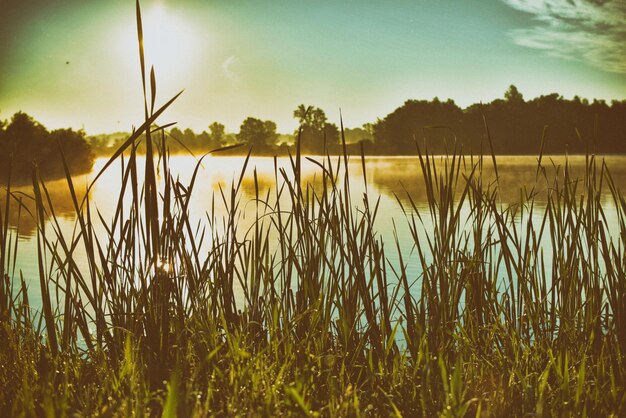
303 313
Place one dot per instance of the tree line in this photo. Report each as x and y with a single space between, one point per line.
26 144
510 125
317 136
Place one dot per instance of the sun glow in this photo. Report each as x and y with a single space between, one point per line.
171 45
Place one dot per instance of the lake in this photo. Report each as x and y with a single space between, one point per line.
396 181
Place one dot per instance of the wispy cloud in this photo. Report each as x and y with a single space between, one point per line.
592 31
227 66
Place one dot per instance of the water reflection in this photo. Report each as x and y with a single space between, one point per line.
390 177
402 177
21 214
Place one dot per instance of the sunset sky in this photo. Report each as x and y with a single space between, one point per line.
75 63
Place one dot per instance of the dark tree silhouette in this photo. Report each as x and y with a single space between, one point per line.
217 133
259 134
316 134
516 126
24 143
189 138
430 122
513 95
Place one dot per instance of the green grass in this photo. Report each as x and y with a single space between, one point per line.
327 326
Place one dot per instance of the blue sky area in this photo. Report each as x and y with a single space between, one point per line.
75 63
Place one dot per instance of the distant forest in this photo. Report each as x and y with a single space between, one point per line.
26 144
512 125
515 126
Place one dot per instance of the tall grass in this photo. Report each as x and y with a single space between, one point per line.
303 313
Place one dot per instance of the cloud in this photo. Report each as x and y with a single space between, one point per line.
591 31
227 66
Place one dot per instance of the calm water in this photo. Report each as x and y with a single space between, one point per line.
391 178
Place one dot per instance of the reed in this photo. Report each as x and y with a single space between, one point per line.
497 324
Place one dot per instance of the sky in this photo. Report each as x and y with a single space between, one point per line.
74 63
